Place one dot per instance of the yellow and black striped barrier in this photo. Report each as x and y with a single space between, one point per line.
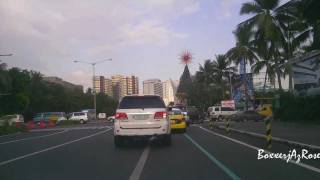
227 124
268 132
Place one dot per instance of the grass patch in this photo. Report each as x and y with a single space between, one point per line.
67 123
7 129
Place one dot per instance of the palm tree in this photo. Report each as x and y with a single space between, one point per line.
284 28
223 71
206 73
244 49
222 67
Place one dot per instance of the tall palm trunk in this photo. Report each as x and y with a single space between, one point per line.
290 81
265 81
279 80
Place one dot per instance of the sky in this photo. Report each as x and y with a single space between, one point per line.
143 37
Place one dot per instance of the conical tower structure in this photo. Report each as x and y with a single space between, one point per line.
185 80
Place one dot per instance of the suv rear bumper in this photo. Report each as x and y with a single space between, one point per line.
141 132
162 130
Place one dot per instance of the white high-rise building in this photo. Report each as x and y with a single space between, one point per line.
152 87
169 89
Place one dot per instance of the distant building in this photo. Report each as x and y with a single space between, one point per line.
124 85
108 87
98 83
152 87
132 85
56 80
119 86
169 90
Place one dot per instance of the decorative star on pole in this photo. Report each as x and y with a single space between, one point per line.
186 57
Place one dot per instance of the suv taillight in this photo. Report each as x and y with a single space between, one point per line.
160 115
121 116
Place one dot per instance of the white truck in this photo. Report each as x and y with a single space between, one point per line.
219 113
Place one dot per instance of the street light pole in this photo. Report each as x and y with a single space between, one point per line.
231 92
94 90
93 64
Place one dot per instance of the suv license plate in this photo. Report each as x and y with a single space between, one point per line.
141 117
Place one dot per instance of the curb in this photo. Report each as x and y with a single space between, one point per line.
284 141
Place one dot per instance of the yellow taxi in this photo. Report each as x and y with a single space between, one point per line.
177 119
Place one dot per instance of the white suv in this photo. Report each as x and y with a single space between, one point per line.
142 117
82 117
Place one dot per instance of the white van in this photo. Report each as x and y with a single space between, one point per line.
219 113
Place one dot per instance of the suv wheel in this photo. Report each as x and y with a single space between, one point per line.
118 141
220 118
167 140
81 121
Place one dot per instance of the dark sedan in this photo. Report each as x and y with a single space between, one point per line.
246 116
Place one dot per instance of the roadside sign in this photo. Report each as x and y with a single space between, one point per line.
228 103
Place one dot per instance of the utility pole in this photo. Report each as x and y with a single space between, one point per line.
93 64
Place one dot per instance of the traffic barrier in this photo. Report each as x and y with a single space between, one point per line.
18 124
227 124
51 123
42 124
30 125
268 132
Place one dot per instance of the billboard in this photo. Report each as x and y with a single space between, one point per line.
243 88
306 71
228 103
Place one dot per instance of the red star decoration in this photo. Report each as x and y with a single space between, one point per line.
186 57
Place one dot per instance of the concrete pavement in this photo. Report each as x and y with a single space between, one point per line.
198 154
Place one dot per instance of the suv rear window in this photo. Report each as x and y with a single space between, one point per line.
137 102
226 109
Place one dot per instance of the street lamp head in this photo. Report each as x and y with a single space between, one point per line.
6 54
75 61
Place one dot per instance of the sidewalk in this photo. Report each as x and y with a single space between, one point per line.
302 133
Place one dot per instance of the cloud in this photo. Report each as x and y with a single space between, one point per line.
148 32
48 35
227 8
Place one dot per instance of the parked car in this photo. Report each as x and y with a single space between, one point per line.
177 119
141 117
219 113
102 116
246 116
11 119
47 116
91 113
79 116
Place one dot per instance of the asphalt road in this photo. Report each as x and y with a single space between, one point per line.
90 154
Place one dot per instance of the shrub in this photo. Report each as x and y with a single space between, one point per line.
298 108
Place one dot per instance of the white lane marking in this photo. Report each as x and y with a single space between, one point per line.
29 138
228 171
135 175
50 148
71 128
265 151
